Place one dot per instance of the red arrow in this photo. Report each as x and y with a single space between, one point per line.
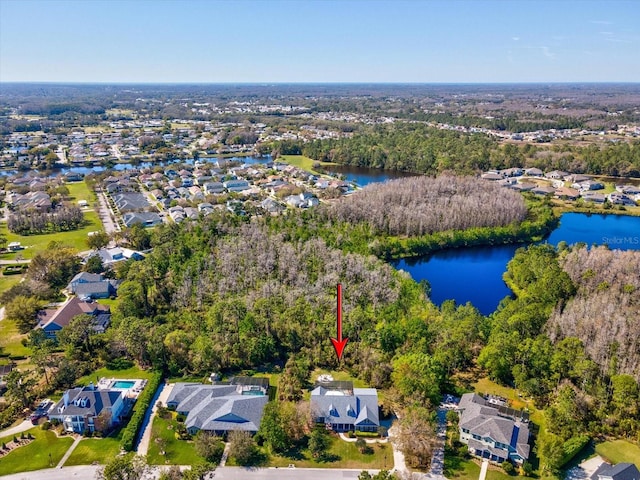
340 343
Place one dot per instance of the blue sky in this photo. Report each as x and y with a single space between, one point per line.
320 41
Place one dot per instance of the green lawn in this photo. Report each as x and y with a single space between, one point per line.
6 282
75 238
300 161
177 452
341 454
618 451
466 469
11 338
46 448
90 450
133 372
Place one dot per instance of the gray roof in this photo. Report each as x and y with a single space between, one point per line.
218 407
87 277
94 288
621 471
96 401
145 218
484 420
130 201
337 406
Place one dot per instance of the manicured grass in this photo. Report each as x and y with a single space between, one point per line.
341 454
35 456
618 451
89 450
11 338
74 238
338 375
467 469
300 161
177 452
133 372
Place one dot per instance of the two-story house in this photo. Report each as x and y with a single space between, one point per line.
493 432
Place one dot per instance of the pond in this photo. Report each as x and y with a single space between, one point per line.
475 274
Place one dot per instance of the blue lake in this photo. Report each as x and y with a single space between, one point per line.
475 274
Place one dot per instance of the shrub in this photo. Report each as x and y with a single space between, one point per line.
181 418
46 425
351 434
527 469
508 467
4 446
130 433
571 447
383 431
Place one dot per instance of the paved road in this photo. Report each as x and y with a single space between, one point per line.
105 214
88 472
23 427
399 465
240 473
162 395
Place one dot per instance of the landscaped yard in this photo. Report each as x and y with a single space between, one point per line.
618 451
342 455
177 452
90 450
45 451
467 469
96 375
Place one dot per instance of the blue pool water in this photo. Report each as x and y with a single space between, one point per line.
123 384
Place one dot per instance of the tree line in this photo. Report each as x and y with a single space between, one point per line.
61 219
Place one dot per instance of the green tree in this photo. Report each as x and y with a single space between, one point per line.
20 388
98 240
271 429
55 266
208 446
23 310
241 446
318 442
125 467
77 335
94 264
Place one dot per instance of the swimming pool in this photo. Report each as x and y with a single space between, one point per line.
123 384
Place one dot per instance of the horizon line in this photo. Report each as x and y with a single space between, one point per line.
267 83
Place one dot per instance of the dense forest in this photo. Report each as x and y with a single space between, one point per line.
415 147
607 300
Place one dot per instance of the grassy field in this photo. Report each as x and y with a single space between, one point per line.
9 281
618 451
341 454
46 450
90 450
76 238
177 452
133 372
300 161
11 338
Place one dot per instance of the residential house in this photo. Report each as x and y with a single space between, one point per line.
343 408
54 320
4 371
543 190
492 176
533 172
236 185
494 432
146 219
91 285
130 202
221 408
110 256
567 193
78 408
556 175
621 471
213 188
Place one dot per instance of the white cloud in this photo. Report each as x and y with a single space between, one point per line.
601 22
515 39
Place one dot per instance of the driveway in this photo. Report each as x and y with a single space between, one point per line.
105 214
23 427
161 396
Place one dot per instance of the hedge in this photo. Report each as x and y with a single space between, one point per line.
130 433
571 447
